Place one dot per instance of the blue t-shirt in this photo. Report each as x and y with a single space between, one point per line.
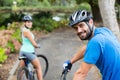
103 50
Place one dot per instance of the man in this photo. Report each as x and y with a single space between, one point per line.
102 49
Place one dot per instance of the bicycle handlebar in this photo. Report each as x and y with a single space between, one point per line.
64 74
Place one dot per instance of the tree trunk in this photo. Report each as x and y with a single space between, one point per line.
118 1
95 11
108 15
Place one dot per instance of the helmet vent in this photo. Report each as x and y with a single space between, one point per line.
83 14
79 16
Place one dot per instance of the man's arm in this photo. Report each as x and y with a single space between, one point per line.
82 72
68 64
79 54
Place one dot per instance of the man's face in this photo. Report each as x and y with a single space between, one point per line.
82 30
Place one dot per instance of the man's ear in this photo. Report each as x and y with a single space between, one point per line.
91 21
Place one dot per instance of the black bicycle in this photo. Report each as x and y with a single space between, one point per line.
64 74
28 72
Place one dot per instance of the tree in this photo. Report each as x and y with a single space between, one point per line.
107 10
118 1
6 3
94 7
95 10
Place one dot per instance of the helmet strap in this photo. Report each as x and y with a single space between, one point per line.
91 30
26 27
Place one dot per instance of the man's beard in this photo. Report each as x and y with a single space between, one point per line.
87 37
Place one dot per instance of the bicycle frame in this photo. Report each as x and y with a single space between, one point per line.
29 68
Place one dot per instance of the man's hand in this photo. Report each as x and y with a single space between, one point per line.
67 65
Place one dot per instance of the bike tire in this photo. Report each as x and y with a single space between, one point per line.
22 74
46 64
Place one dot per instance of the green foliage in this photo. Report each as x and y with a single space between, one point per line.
46 3
49 24
85 6
10 46
14 16
3 56
9 18
43 14
2 28
6 2
17 35
43 22
13 35
3 19
46 24
87 1
27 2
63 23
20 2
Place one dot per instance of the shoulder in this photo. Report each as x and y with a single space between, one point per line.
101 34
102 30
23 29
97 40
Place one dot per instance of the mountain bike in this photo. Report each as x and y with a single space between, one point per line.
64 74
28 72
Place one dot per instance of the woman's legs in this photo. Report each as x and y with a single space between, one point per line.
37 65
34 60
22 63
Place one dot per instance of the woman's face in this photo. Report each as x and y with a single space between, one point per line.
28 24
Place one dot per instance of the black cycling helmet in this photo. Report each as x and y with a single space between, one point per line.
79 16
27 18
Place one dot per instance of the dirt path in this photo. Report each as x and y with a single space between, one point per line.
58 47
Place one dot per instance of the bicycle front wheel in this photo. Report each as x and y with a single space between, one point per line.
44 64
22 74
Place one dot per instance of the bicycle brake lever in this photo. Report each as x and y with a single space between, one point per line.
64 74
64 71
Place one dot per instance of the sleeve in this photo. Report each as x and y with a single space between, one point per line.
93 51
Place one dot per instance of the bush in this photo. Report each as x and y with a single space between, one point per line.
6 2
10 46
85 6
11 38
43 21
43 14
5 19
46 24
3 56
46 3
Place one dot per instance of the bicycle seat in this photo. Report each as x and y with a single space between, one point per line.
22 58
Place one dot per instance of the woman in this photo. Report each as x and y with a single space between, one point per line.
29 45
